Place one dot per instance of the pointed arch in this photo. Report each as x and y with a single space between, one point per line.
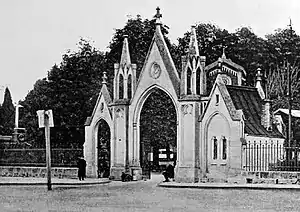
129 86
198 81
188 81
121 86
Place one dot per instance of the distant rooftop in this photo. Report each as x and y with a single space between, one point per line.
295 113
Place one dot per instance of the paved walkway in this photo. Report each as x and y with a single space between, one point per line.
54 181
230 186
23 181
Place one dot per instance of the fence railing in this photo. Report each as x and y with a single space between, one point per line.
270 156
37 157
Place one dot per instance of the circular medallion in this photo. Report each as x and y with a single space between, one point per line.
155 71
226 80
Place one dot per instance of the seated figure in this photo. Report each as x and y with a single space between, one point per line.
126 177
169 173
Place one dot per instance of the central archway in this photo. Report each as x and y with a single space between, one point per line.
157 132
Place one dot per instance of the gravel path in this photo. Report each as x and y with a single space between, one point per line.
143 196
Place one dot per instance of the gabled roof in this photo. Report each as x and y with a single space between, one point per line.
227 62
158 38
104 91
248 100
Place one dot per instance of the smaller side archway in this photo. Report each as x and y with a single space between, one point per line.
103 135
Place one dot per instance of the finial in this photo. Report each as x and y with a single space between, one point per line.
104 78
258 74
223 55
193 47
125 56
157 16
259 85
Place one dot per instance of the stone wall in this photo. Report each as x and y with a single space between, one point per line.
60 172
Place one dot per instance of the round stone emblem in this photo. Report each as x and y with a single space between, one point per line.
155 71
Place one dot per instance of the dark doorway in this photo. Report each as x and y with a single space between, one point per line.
158 133
103 149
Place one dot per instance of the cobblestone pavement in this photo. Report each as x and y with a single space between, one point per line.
143 196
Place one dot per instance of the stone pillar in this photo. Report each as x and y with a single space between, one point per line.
120 140
89 152
187 169
266 114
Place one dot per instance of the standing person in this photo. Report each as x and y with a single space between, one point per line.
169 173
81 168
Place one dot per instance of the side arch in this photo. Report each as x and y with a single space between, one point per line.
97 148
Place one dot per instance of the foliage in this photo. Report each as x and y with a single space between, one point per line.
70 90
158 122
7 114
140 33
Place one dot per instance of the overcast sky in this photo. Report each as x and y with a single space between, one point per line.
35 33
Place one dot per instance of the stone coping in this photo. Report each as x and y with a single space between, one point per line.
54 181
230 186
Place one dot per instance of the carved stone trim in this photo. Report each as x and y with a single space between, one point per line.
187 109
155 70
119 113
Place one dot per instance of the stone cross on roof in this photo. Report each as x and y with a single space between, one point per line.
158 15
104 78
223 55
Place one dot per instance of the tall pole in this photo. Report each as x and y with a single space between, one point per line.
48 152
290 91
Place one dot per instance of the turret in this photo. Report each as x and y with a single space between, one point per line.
125 75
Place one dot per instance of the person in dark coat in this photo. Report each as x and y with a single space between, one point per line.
169 173
81 168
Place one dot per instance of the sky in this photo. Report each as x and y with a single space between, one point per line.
36 33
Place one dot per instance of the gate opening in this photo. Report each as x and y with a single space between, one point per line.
103 149
158 133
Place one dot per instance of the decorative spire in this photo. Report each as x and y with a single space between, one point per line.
223 55
193 46
104 78
157 16
125 57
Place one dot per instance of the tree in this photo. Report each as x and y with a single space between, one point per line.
7 112
140 33
158 123
70 90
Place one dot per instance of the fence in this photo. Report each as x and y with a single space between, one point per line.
270 156
37 157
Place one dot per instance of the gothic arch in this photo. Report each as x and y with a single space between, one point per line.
137 112
95 133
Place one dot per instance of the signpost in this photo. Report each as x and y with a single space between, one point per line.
45 119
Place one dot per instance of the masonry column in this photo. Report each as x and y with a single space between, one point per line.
188 149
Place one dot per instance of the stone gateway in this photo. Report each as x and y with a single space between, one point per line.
211 127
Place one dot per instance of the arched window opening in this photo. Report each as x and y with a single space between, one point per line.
215 148
121 86
188 81
129 87
224 149
198 81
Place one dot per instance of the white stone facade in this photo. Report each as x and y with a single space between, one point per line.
210 126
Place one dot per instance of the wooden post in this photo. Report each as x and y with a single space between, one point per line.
45 120
48 151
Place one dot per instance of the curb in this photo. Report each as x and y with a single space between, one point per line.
55 183
233 186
